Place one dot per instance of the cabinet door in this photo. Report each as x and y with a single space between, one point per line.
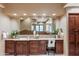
34 47
72 28
59 46
77 34
71 22
25 48
77 22
43 46
72 49
9 47
72 38
72 44
19 48
77 44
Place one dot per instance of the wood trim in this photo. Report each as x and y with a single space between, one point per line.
73 14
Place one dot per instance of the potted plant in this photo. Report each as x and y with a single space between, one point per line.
13 34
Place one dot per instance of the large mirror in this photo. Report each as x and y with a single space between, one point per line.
40 24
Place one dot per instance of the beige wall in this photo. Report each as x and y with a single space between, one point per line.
1 46
57 22
64 26
62 23
4 22
4 26
7 25
14 24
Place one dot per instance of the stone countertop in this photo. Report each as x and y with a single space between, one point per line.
28 39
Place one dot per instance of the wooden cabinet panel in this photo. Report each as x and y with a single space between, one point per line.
9 47
33 47
77 21
71 22
74 34
21 48
43 46
71 35
72 51
59 46
77 50
34 51
26 48
71 38
77 35
38 47
77 43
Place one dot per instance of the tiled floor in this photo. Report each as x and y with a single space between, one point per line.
44 55
50 54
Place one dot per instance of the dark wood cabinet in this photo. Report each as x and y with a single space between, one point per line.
73 34
72 41
16 47
9 47
19 48
37 47
32 47
59 46
43 46
22 48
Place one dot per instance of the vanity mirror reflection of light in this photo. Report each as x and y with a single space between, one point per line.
38 24
43 25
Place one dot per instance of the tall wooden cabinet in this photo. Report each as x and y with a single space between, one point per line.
73 34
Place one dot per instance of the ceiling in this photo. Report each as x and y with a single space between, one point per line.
30 8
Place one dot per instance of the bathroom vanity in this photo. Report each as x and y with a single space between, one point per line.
31 46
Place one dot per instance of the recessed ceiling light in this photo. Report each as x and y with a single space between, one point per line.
14 14
53 14
24 14
44 14
34 14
